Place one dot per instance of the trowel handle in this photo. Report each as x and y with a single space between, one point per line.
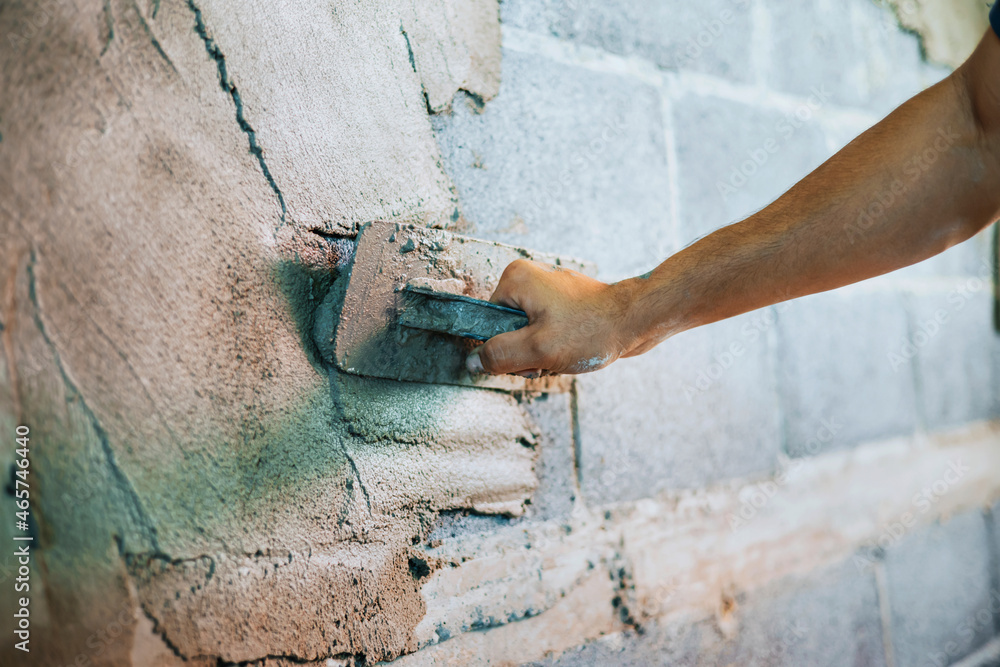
457 315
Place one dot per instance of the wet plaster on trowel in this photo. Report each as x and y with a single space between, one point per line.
194 444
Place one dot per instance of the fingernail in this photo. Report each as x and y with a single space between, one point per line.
474 364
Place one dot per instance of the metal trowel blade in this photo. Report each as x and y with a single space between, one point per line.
369 324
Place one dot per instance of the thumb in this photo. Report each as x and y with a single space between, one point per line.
507 353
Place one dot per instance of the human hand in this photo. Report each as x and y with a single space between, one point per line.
576 323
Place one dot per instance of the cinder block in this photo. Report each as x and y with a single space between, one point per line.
700 407
734 159
556 468
939 592
658 644
837 379
953 346
711 36
830 618
564 160
856 51
993 528
894 68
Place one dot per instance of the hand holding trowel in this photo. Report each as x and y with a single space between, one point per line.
413 301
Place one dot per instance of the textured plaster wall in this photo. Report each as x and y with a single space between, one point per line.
176 178
162 167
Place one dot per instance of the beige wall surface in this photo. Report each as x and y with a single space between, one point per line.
178 179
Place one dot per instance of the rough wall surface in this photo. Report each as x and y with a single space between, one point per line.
948 29
175 178
160 275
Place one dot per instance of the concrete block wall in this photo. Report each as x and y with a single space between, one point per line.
638 151
925 604
179 182
624 131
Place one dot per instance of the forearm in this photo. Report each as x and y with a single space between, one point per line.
923 179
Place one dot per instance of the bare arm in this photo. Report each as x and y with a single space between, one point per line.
923 179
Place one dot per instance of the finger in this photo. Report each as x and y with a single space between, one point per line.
509 353
510 283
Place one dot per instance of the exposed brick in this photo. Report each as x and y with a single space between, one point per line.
953 344
829 618
939 592
894 67
819 38
564 160
993 529
753 156
555 468
855 49
711 36
700 407
837 383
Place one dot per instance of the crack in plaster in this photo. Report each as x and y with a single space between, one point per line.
230 88
413 64
154 406
109 23
162 633
357 473
357 659
150 35
136 508
7 337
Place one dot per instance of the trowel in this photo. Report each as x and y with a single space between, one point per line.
412 303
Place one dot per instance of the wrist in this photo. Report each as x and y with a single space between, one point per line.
650 310
631 319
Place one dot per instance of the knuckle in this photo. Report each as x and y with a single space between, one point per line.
541 351
517 269
492 356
